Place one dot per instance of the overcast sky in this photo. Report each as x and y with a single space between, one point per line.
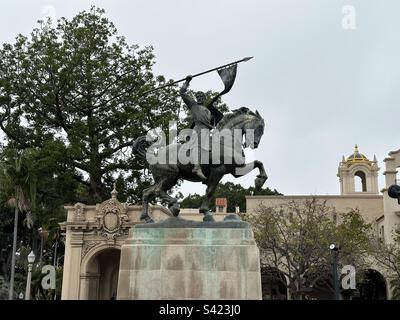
320 88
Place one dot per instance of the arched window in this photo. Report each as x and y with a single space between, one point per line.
360 182
101 275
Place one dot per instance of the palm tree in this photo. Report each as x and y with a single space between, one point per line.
20 181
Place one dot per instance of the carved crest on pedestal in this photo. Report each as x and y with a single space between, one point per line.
111 216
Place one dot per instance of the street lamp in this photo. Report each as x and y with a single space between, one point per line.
335 252
31 260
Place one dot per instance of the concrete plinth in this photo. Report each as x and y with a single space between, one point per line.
190 263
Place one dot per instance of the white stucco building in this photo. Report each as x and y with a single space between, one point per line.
358 178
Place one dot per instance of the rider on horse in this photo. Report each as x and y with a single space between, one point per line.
202 118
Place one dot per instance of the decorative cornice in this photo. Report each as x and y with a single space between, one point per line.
389 172
394 152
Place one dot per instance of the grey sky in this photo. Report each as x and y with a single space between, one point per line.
320 88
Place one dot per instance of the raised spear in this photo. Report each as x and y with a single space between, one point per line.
198 74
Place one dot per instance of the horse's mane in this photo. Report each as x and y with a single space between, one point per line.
229 116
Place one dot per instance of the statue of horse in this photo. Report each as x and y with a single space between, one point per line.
167 175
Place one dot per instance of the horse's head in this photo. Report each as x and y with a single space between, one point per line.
253 129
251 124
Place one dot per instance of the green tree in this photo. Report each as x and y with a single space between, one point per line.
75 92
295 238
27 182
235 194
387 255
71 97
19 179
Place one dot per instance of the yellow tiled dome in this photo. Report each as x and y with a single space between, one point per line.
357 156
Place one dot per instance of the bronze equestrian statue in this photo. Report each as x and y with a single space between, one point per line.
223 155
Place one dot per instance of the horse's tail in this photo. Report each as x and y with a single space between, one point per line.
139 147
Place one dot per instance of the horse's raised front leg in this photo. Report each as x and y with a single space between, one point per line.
261 178
212 183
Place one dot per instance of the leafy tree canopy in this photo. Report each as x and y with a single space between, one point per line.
74 92
235 194
295 238
387 256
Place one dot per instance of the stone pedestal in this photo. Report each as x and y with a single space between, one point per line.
190 260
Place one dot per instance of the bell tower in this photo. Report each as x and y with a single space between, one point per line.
358 175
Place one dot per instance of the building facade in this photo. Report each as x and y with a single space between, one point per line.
358 178
95 234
